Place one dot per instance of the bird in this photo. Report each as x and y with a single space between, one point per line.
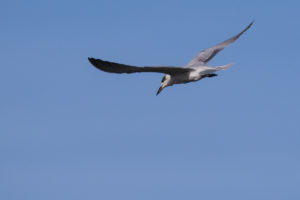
195 70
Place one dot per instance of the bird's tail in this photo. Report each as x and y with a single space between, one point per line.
223 67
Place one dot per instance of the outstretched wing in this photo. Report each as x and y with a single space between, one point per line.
206 55
121 68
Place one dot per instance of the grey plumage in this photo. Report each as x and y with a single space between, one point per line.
206 55
122 68
195 70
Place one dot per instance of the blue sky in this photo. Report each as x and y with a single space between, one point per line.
70 131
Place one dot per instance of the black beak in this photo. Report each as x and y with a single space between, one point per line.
159 90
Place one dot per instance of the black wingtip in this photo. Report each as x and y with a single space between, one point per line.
243 31
93 61
250 24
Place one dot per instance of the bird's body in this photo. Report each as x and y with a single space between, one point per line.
198 73
195 70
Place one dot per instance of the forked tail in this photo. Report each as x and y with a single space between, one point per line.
223 67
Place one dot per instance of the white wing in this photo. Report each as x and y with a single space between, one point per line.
206 55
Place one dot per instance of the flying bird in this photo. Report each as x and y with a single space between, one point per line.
195 70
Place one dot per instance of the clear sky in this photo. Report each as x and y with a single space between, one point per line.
70 131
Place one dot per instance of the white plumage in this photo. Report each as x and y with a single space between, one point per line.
195 70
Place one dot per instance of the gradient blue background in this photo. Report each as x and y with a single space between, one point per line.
70 131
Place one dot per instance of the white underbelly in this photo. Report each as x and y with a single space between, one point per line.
194 76
185 78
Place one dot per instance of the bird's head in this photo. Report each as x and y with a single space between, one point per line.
165 82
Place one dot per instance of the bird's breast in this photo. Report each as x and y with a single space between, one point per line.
185 78
194 76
